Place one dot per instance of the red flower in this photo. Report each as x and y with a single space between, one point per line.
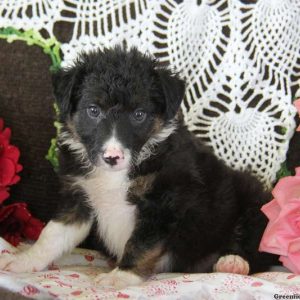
89 257
16 223
9 167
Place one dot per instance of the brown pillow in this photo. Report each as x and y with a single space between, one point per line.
26 105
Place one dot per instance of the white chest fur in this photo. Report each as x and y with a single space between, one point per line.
107 192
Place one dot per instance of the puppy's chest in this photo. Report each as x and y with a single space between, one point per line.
107 195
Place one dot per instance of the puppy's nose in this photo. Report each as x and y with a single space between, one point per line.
113 155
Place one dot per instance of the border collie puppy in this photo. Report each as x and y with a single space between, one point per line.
159 199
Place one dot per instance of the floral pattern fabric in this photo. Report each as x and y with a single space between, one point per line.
72 276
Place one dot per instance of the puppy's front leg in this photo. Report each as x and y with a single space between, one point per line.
56 238
142 252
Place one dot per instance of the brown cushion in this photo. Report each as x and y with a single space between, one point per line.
26 105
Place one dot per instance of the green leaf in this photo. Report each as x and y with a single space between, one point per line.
283 172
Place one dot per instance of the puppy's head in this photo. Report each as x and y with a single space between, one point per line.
115 105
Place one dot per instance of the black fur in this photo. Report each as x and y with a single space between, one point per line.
196 209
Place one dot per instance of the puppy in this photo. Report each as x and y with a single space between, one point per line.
159 200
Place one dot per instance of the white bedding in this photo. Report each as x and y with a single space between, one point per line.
71 277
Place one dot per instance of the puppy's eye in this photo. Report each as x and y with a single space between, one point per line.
139 116
93 111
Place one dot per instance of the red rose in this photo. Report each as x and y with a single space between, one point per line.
9 167
16 223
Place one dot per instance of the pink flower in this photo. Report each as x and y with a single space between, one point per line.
282 234
297 105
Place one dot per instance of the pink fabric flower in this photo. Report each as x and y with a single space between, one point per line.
297 105
282 234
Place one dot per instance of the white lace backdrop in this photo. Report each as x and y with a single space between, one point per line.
240 59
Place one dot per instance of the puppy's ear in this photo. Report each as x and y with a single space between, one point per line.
173 88
63 82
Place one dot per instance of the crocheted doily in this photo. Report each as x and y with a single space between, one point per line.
240 59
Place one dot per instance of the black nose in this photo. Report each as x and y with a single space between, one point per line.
111 160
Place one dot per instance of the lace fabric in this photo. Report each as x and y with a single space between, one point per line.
240 60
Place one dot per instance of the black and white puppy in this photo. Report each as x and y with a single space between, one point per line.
160 201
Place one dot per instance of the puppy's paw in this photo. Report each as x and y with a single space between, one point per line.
232 264
118 279
21 262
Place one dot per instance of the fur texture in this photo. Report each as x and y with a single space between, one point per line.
160 200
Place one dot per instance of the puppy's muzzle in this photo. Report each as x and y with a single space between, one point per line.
113 156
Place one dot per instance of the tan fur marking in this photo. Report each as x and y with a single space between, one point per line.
70 125
145 266
69 217
140 185
158 125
